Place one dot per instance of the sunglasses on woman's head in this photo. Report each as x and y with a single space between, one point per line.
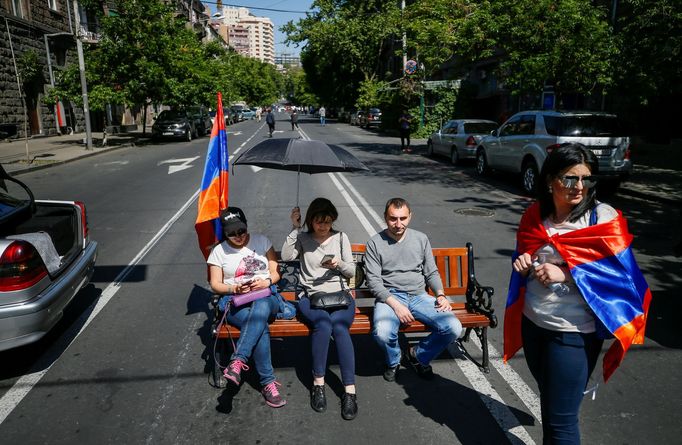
236 233
571 182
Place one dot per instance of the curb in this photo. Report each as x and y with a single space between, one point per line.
28 169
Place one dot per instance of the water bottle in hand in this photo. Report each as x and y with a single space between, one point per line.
557 288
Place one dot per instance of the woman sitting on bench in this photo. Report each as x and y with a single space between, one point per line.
326 263
244 263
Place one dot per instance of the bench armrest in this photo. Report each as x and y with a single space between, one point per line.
480 299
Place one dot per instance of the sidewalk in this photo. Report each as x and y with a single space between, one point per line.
657 175
53 150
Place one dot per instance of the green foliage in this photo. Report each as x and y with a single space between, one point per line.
30 72
147 55
651 42
346 43
370 93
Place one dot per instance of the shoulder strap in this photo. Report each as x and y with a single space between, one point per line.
593 215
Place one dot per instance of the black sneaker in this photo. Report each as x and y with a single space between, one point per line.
349 406
318 401
410 361
390 372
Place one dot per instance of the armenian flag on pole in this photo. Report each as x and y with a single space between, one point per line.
214 185
603 267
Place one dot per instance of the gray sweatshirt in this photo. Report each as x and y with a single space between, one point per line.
314 277
406 266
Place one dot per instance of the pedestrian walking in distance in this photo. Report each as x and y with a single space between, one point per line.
270 120
294 119
323 115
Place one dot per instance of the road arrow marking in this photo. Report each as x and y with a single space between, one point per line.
184 164
234 133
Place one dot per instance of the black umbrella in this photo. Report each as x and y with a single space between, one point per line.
300 155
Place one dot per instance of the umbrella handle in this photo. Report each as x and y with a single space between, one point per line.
298 184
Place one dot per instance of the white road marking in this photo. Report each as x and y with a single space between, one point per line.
25 384
112 163
183 164
502 414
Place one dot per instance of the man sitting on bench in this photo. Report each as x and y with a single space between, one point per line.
399 263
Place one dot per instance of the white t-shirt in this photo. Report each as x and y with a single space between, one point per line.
567 312
244 264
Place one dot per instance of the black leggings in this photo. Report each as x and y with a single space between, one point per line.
404 134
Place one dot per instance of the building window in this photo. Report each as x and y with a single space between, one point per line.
18 8
52 4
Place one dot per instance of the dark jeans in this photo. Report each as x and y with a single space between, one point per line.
404 134
561 363
324 323
271 127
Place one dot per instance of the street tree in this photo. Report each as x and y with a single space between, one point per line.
346 43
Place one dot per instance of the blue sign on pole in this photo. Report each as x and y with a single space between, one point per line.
547 101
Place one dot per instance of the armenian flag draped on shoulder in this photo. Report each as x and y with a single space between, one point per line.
605 271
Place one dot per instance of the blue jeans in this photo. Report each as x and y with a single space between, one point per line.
445 327
561 363
254 339
322 120
324 322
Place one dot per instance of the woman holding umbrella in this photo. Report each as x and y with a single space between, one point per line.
326 264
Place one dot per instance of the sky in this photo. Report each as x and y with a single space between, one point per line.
296 8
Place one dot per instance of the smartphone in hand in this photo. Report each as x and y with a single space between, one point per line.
327 258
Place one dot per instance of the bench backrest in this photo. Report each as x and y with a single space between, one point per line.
454 265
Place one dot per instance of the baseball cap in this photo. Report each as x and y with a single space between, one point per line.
232 219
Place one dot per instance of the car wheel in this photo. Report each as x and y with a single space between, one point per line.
481 162
454 156
188 135
429 148
529 173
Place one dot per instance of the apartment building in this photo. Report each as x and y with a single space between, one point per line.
259 41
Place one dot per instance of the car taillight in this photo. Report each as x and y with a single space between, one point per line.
551 148
627 152
470 141
84 219
20 267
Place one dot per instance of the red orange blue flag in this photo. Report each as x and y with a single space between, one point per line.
605 271
214 185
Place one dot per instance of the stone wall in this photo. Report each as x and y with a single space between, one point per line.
27 33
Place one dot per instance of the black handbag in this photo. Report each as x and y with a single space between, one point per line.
333 300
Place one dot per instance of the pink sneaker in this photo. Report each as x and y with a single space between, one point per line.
272 396
233 372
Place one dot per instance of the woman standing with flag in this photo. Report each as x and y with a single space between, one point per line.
575 282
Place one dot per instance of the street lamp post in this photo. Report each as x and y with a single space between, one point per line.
84 85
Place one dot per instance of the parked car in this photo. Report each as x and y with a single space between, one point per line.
522 143
46 258
249 113
371 118
227 115
174 124
238 111
356 117
202 120
459 138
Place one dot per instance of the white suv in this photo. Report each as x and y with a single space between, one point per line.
522 143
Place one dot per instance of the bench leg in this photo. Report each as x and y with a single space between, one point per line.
219 358
482 334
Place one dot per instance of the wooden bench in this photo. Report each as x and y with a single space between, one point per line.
471 302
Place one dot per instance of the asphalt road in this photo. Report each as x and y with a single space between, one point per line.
136 370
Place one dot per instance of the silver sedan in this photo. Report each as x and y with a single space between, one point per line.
458 138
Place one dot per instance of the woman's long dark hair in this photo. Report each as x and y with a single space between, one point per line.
320 208
560 159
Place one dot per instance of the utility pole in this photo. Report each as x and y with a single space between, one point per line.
84 85
402 9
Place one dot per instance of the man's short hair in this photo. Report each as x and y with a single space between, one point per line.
398 203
